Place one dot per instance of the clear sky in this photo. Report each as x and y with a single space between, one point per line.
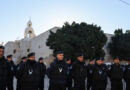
45 14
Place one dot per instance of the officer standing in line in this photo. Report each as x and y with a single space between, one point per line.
11 72
90 68
24 59
29 73
99 76
3 69
127 75
116 75
57 73
79 73
42 74
69 76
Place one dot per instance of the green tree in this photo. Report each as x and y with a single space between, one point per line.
72 38
120 44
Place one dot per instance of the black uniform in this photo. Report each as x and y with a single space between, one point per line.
30 75
18 87
99 78
42 75
79 74
3 73
57 73
69 77
116 76
10 75
89 76
127 77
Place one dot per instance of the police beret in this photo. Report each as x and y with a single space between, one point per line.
41 58
2 47
9 56
79 54
31 54
59 52
115 57
98 58
24 57
67 59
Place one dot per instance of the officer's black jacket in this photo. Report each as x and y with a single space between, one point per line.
57 72
42 67
79 70
116 72
3 72
127 73
99 72
29 74
90 71
11 68
18 66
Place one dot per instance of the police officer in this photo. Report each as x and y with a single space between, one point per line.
29 73
116 75
79 72
57 73
69 76
127 75
3 69
11 72
23 59
42 74
99 76
90 68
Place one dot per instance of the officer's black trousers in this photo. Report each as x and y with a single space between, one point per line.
2 86
116 85
128 85
18 85
89 84
69 83
41 84
57 87
99 85
79 85
10 84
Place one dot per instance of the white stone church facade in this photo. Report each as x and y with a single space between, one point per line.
37 44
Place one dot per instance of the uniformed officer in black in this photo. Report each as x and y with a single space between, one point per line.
3 69
99 76
69 75
116 75
23 59
29 73
90 68
42 74
127 75
79 73
11 72
57 73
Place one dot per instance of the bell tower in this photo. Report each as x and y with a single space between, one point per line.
29 32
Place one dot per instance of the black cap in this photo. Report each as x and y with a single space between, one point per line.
2 47
115 57
67 59
98 58
91 59
102 58
41 58
9 56
31 54
79 54
24 57
59 52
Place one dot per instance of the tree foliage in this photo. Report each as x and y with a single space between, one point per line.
120 44
88 39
